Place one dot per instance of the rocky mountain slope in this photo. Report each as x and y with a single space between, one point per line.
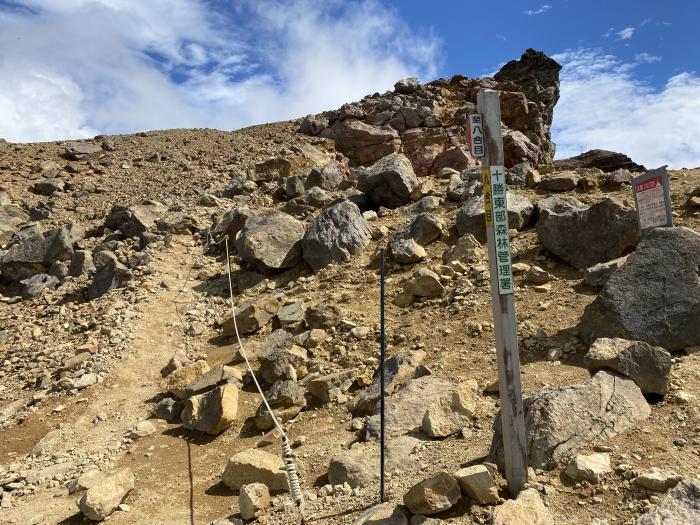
123 395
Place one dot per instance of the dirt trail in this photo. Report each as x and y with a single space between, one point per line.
98 419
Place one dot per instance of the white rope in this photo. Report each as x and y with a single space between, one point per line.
287 457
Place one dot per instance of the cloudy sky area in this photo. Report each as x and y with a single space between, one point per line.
76 68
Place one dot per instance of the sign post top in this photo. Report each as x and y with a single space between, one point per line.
652 197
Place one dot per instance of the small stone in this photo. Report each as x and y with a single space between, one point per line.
435 494
143 429
103 499
254 498
590 468
657 480
477 483
254 465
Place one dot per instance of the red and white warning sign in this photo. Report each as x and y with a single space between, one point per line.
475 134
651 201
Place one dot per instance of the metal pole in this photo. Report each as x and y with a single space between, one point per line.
505 325
381 378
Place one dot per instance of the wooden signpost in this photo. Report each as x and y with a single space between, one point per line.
503 302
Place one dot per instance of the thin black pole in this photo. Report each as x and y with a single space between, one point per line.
381 378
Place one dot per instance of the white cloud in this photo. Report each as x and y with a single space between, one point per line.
603 106
542 9
78 67
626 33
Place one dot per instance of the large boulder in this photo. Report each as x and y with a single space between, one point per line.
583 235
648 366
559 421
364 143
33 251
470 217
335 235
654 296
271 241
681 506
389 182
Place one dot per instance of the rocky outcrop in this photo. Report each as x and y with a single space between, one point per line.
427 122
604 160
654 296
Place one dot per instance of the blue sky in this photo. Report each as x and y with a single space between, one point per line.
75 68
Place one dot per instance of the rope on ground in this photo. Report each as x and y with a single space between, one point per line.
287 457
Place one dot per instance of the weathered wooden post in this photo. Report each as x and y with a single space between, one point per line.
503 303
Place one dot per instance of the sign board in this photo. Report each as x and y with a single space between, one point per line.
475 134
653 199
499 210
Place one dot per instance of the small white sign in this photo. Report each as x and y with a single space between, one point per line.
475 135
499 211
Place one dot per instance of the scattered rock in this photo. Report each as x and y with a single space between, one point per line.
177 382
384 514
478 483
558 421
35 285
424 283
103 498
599 274
280 358
252 317
452 412
566 181
407 85
132 221
527 509
109 274
648 366
286 398
597 158
255 466
212 412
657 480
82 151
253 499
591 468
86 481
331 388
435 494
681 506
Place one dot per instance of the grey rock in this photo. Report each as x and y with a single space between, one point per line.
566 181
435 494
424 283
286 398
364 143
648 366
681 506
33 251
255 466
327 177
10 219
407 85
280 358
559 421
82 151
398 369
270 169
229 225
252 316
389 182
405 409
470 218
335 235
48 187
599 274
168 409
219 375
59 270
103 498
109 274
134 220
586 235
291 314
254 498
406 243
383 514
271 241
35 285
331 387
322 316
212 412
654 296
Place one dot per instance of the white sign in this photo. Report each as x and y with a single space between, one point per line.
653 199
499 213
475 135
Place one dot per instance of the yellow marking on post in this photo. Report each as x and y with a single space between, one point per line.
488 210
